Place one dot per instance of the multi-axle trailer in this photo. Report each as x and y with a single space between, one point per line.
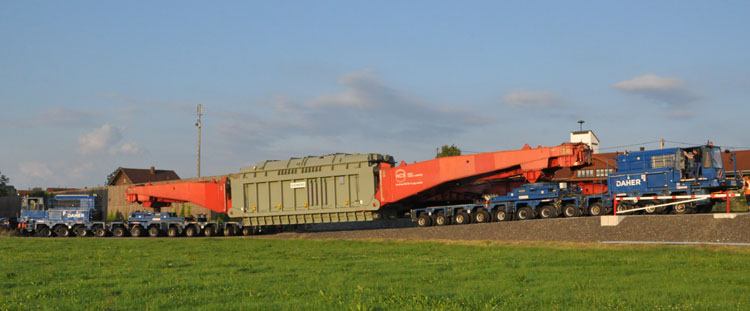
674 180
362 187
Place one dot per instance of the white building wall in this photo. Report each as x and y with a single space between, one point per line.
586 137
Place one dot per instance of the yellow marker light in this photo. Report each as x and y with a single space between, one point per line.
347 202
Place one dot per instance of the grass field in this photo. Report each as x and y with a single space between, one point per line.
270 274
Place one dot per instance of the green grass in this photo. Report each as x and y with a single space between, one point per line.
269 274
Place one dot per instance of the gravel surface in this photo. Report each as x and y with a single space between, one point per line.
677 228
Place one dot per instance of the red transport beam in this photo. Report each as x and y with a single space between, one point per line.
407 180
209 194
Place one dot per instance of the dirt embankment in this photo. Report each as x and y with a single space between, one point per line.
668 228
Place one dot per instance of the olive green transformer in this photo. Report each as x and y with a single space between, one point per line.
331 188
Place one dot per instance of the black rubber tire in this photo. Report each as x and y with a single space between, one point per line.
81 232
191 231
596 209
680 209
136 231
570 210
118 232
62 231
482 217
547 212
524 213
424 220
442 220
230 230
500 215
154 231
100 232
44 232
209 231
462 218
247 231
173 232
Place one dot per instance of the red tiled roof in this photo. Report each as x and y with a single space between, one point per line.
139 175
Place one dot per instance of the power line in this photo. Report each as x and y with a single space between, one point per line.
632 145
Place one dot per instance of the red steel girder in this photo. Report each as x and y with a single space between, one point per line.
212 194
403 181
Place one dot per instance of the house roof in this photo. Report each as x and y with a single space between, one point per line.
141 175
743 160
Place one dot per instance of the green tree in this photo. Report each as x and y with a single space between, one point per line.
5 188
111 176
38 192
448 151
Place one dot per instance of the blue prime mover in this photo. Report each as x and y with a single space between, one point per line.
75 215
654 181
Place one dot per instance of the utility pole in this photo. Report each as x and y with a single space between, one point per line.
199 110
662 143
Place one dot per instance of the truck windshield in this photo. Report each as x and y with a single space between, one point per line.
715 159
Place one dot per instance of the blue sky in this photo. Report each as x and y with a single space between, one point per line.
87 86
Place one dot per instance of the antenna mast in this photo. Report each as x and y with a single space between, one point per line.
199 110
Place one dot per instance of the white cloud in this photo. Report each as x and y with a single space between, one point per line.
366 109
671 94
363 90
532 99
80 169
649 82
99 139
129 148
35 170
62 116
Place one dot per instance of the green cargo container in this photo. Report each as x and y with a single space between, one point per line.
332 188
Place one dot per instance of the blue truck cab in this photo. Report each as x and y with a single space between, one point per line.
694 170
63 215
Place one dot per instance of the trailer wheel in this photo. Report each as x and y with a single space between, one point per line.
191 231
681 208
136 231
595 209
501 215
570 210
546 212
482 216
524 213
208 231
154 231
62 231
247 230
44 232
173 232
118 232
81 231
442 220
462 218
424 220
100 232
229 230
